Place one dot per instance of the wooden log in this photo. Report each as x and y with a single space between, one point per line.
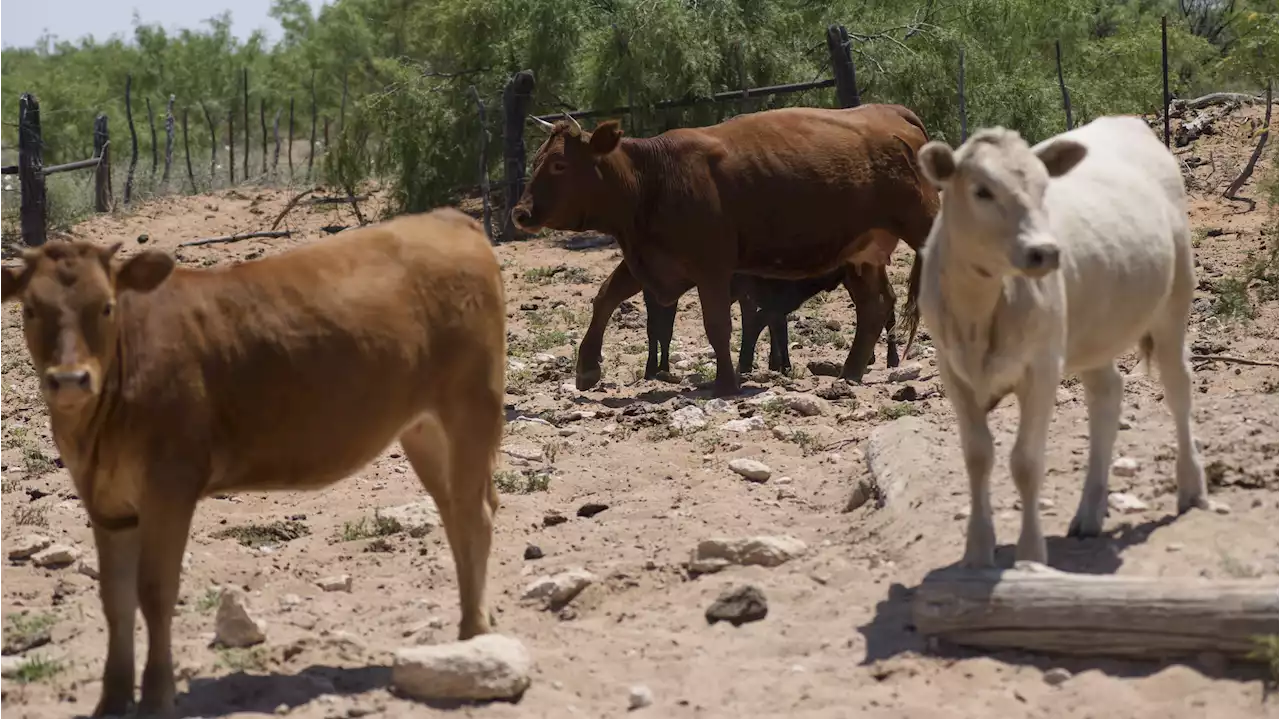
1062 85
1164 69
168 141
234 238
1035 608
133 138
213 145
262 118
102 175
964 115
231 145
33 212
1247 172
186 146
155 144
311 154
516 98
289 149
484 164
839 46
275 129
68 166
245 107
1215 98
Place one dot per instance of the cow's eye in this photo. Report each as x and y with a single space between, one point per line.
108 308
983 193
28 312
558 167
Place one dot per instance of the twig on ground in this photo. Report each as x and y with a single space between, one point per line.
235 238
292 203
1233 360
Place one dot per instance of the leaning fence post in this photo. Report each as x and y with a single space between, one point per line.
311 154
275 160
1164 69
168 141
516 98
262 118
839 45
33 210
213 146
133 138
186 146
484 164
155 145
231 145
102 175
964 114
1062 85
245 107
289 149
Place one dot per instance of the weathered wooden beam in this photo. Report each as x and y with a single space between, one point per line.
102 156
133 139
186 146
33 212
1062 85
846 78
168 141
213 145
245 106
69 166
311 154
1035 608
516 98
484 164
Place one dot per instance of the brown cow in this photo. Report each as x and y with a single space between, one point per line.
166 384
787 193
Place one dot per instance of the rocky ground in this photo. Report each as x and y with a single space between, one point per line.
631 510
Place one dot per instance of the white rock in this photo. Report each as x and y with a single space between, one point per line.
783 480
688 418
718 405
523 451
749 424
1056 676
57 555
290 601
783 432
10 664
487 667
1218 507
27 544
1125 467
761 399
806 405
235 625
560 588
88 567
336 583
640 697
677 356
544 358
684 364
712 555
1126 503
515 365
906 372
751 469
423 514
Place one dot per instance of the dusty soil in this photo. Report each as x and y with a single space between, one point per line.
837 640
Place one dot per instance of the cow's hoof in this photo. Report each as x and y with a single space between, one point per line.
587 379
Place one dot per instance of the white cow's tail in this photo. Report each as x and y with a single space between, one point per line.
1146 346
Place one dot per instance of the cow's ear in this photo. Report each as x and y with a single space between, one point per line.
144 271
606 137
938 162
1060 155
13 282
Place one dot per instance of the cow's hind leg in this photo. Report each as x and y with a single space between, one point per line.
118 589
1103 392
660 322
718 323
1169 351
890 301
870 311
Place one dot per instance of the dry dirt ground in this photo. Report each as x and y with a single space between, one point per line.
837 641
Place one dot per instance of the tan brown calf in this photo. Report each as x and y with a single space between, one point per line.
166 384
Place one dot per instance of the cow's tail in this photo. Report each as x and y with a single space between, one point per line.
912 307
1146 346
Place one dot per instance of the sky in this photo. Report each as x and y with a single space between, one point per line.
22 22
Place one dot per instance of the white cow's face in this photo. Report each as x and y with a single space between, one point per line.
994 198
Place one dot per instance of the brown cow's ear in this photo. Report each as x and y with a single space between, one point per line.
144 271
1060 155
606 137
13 281
938 162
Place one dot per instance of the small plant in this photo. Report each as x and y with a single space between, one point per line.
259 535
560 273
365 528
37 669
901 409
1231 299
526 482
551 450
1237 569
773 408
36 462
1266 649
380 544
808 443
32 515
26 631
243 660
209 600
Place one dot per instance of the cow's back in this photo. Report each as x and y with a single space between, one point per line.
295 370
795 185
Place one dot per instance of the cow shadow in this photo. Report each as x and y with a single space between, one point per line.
586 242
242 692
892 632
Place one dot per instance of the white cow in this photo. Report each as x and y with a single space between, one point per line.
1048 260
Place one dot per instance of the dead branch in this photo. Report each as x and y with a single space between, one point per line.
235 238
337 200
1233 360
1230 194
290 206
1215 98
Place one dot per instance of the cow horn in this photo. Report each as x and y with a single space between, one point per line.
569 117
546 126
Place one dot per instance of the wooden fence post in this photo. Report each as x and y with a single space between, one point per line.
231 144
484 164
839 45
1062 85
213 145
186 146
33 212
102 175
275 161
168 141
326 134
133 137
289 149
1164 68
262 118
964 114
245 107
155 146
311 154
516 98
342 110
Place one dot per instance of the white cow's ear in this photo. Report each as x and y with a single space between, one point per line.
938 162
1060 155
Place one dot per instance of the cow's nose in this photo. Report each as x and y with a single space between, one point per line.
67 379
520 215
1042 258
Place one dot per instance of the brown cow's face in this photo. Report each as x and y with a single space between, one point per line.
566 182
69 314
994 198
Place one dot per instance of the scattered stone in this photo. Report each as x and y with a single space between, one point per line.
783 480
1128 422
1219 507
825 368
718 405
417 517
805 405
783 432
684 364
9 666
556 590
525 452
688 418
864 491
738 605
515 365
28 544
906 372
57 555
591 509
761 399
544 358
1124 467
786 493
639 697
290 601
740 426
487 667
236 626
1126 503
88 567
751 469
532 551
712 555
837 390
1056 676
905 393
551 519
337 583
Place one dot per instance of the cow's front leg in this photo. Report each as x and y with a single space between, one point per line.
118 589
163 527
618 286
718 322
